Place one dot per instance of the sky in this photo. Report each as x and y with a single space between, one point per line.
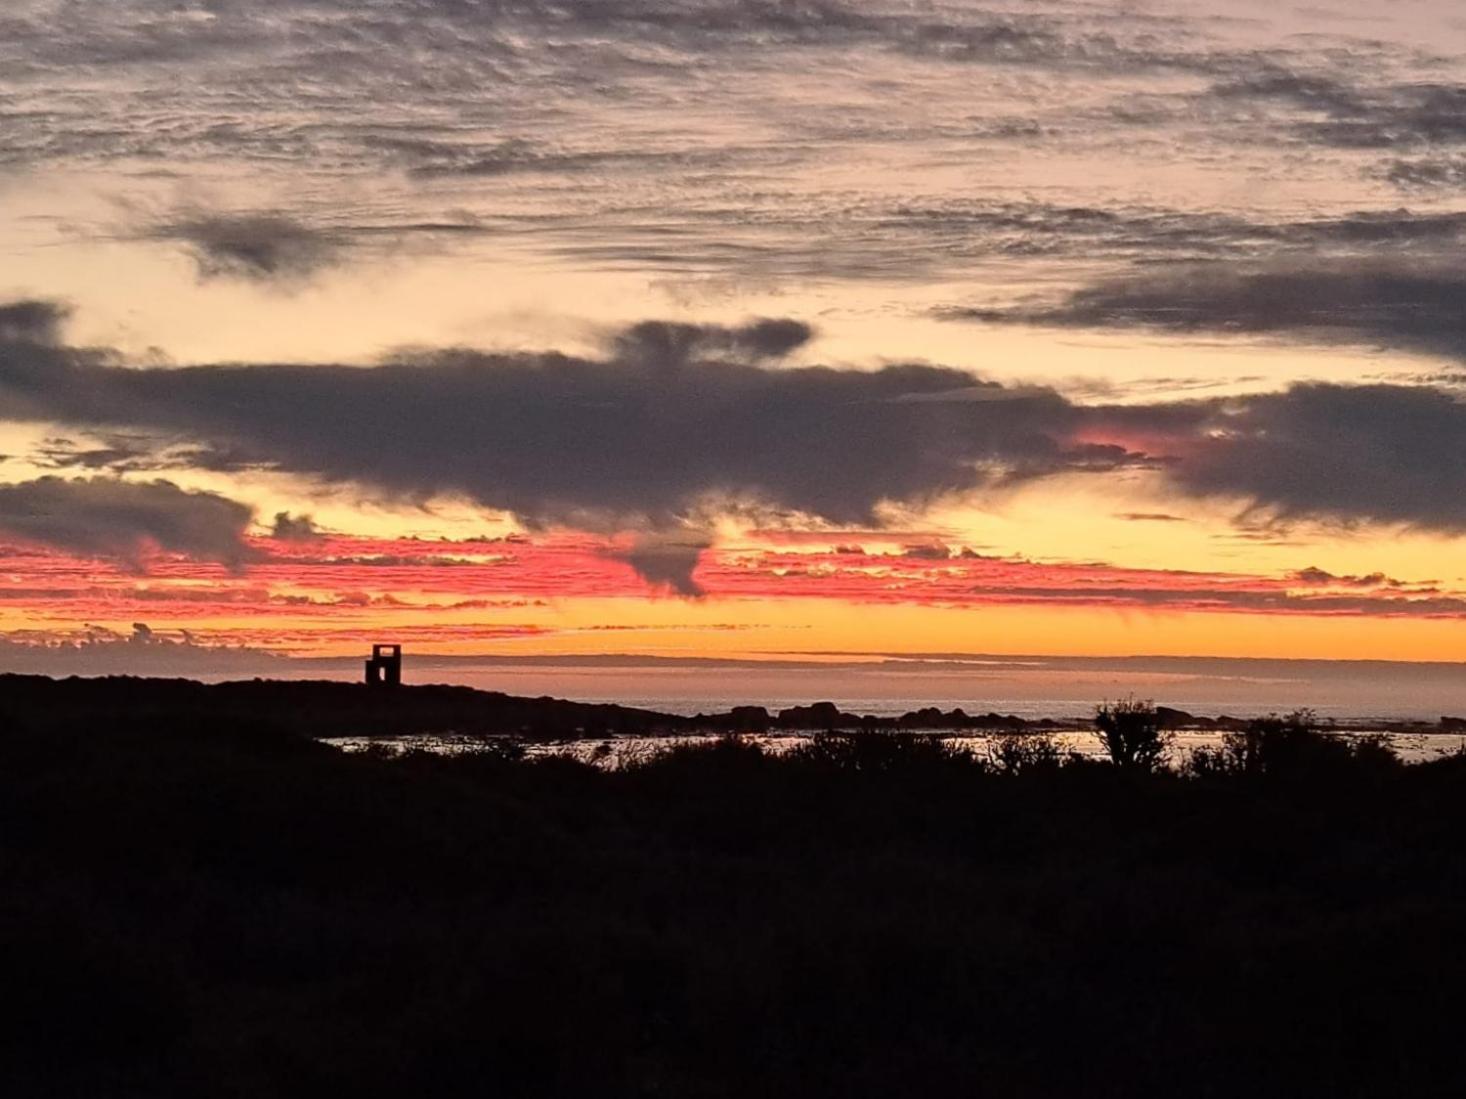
731 330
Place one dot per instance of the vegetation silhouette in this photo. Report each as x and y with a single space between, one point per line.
1020 753
1130 733
1291 747
220 907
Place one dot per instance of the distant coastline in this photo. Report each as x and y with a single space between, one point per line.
330 708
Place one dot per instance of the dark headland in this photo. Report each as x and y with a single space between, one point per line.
197 897
328 708
332 708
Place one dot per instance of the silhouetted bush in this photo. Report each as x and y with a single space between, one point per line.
1131 735
881 752
728 753
1291 747
1024 753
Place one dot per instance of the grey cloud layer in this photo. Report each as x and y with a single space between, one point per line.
105 517
909 240
643 437
669 134
1382 453
899 241
1416 307
649 441
282 35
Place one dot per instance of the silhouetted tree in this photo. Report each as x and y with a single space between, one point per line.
1131 734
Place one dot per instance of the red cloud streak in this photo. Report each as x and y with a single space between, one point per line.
337 588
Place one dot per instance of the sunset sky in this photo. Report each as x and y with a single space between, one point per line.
730 329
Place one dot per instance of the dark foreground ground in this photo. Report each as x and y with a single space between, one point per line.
198 910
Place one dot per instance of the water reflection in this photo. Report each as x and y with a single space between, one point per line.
1412 747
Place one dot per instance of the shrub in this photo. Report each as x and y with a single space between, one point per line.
729 751
1291 745
1131 735
1275 744
1017 753
880 751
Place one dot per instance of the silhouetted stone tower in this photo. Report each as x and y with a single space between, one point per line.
384 669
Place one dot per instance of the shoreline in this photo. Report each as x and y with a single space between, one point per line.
326 708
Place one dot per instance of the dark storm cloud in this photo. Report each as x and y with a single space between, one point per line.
643 441
1384 453
1388 454
105 517
1415 307
32 321
640 438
